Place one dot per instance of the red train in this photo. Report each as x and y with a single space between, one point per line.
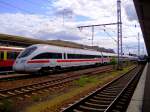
8 56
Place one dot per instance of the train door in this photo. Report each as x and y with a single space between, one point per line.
1 55
102 58
64 57
5 55
1 60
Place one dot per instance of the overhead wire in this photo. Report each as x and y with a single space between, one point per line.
110 36
126 46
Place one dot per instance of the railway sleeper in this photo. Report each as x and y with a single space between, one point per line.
121 103
123 99
36 87
115 111
103 102
106 95
3 95
32 89
75 110
115 84
25 90
46 90
111 90
119 106
130 90
11 93
40 92
29 88
34 93
20 98
89 109
109 93
128 93
121 84
115 87
17 91
27 96
103 98
44 84
126 96
95 105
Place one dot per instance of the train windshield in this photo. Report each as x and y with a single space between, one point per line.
27 52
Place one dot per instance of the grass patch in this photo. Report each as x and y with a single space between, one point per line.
36 98
84 85
52 105
6 106
85 80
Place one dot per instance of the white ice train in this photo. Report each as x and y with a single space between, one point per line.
42 57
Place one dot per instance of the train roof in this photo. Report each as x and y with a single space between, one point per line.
68 49
109 54
11 48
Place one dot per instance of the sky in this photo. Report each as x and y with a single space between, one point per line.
59 19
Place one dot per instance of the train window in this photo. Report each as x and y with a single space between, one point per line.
10 55
65 56
27 52
97 56
1 55
82 56
15 54
71 56
48 56
104 56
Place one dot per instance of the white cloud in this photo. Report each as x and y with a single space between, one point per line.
51 27
94 9
36 26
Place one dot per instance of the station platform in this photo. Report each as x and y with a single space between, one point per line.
140 101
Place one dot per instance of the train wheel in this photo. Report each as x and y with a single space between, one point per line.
58 68
44 70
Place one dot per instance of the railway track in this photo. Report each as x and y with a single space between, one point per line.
10 75
6 72
20 92
113 97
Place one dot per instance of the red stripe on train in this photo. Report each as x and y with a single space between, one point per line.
78 60
38 61
66 60
6 63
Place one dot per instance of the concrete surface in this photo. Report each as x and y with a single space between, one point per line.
138 96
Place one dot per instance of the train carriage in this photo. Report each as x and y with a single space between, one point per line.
41 57
37 57
8 56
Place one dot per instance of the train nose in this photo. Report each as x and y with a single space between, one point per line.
19 65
